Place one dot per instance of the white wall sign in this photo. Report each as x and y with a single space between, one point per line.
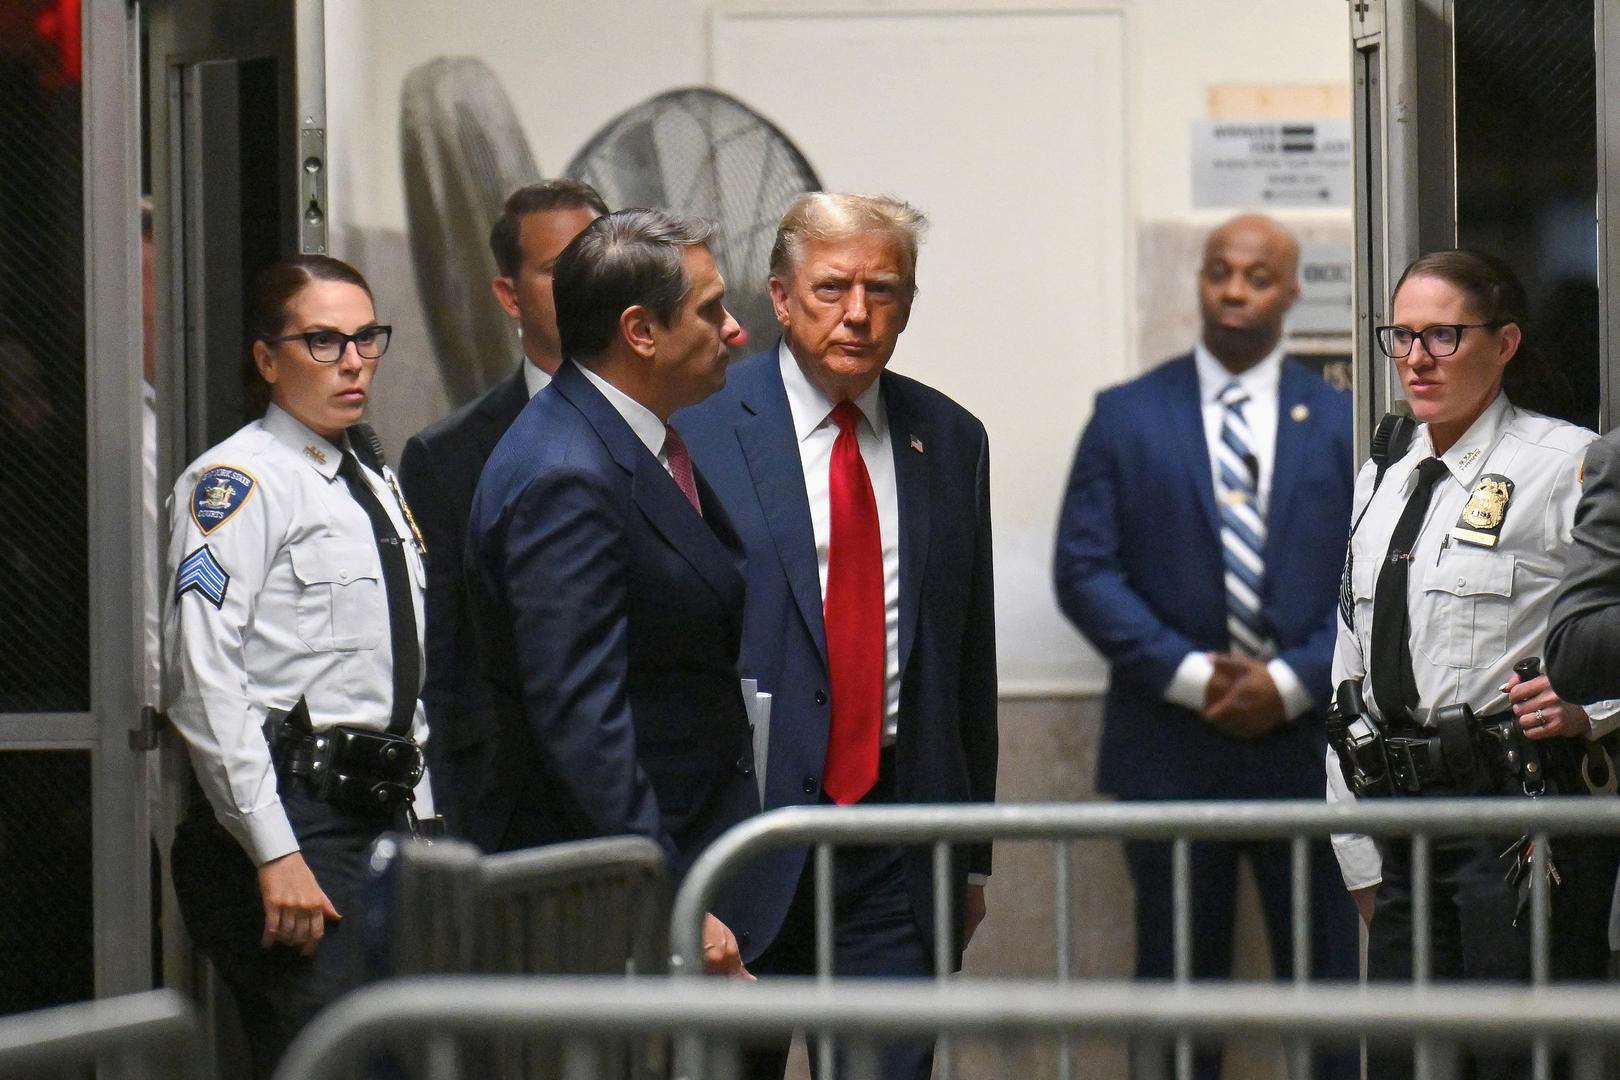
1271 163
1324 305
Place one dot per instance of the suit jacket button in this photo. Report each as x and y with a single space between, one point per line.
809 785
745 765
821 697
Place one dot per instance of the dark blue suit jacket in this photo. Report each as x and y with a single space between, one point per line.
439 471
1138 569
609 615
946 744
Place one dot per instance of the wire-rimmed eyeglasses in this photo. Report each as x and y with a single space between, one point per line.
1439 340
326 346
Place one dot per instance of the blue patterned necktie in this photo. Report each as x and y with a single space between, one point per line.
1243 527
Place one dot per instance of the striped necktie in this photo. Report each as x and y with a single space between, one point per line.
1243 528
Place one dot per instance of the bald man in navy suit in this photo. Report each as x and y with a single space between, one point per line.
1199 549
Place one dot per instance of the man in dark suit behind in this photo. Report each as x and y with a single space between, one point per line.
863 500
603 573
440 468
1199 549
1583 636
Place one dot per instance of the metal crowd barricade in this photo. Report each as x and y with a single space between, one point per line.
594 907
582 1014
140 1036
941 827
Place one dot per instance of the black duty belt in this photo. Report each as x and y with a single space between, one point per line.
347 766
1446 756
1415 763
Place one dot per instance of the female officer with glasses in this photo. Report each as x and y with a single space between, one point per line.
295 597
1453 563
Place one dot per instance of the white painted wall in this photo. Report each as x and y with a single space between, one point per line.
570 67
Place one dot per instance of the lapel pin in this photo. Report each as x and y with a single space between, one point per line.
1468 458
315 454
916 444
1300 413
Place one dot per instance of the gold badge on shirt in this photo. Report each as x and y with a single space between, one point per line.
1481 520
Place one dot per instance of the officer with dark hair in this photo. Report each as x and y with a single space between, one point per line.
293 635
1458 549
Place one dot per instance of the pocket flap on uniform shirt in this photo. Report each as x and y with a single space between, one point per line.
1363 575
1463 573
329 563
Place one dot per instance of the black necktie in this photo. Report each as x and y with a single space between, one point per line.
401 608
1392 624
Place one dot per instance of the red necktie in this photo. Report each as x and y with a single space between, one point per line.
853 612
680 466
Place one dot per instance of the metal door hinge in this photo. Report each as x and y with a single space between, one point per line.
146 736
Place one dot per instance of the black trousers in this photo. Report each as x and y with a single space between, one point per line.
1473 937
875 934
277 991
1213 885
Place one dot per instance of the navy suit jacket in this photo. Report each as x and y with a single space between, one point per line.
608 613
438 472
946 743
1138 569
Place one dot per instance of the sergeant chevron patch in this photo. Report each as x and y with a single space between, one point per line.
201 573
1347 594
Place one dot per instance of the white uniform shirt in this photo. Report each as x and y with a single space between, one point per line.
1260 382
815 431
1475 611
275 591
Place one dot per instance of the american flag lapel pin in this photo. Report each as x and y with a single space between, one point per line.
916 444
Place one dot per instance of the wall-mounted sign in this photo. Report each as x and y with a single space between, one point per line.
1324 305
1271 163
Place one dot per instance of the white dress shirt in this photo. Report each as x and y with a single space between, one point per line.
534 377
815 431
1475 611
303 612
1260 382
643 421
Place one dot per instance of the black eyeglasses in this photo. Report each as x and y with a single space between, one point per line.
1440 340
326 346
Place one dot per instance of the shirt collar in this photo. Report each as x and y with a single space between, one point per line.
811 408
1466 457
642 420
534 377
1261 380
320 454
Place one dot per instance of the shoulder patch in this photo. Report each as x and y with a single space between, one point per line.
201 573
221 491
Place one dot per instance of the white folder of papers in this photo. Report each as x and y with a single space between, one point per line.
758 707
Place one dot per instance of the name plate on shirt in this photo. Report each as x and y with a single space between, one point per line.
1481 520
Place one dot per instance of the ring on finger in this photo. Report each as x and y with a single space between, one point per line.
1541 720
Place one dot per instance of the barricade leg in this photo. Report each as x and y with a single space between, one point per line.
1061 931
944 946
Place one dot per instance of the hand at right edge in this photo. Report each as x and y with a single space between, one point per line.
720 953
296 911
